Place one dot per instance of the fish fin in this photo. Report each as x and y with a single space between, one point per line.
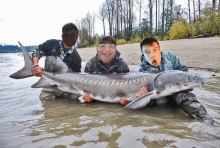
41 83
61 66
27 70
141 101
67 88
55 65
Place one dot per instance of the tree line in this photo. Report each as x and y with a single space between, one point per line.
14 48
135 19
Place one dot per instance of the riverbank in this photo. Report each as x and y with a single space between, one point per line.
199 52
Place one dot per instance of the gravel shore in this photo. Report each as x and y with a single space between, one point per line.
199 52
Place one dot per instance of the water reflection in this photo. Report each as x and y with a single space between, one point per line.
26 121
100 124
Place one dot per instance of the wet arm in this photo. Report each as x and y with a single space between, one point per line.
35 60
178 64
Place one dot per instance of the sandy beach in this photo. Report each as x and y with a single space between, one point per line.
200 52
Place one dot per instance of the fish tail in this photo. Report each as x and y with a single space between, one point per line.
27 70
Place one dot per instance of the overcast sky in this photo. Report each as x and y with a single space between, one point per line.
32 22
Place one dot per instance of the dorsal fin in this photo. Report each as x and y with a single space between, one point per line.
61 66
55 65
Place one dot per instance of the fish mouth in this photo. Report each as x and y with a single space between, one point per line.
203 81
199 83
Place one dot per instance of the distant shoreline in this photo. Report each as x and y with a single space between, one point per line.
202 53
198 52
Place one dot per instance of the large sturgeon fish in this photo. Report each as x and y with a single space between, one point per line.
111 87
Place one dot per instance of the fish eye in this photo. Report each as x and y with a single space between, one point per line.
190 79
194 78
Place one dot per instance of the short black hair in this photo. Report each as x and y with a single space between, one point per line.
148 41
69 26
107 39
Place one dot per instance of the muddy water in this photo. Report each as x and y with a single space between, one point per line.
26 121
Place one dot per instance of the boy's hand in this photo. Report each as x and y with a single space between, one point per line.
87 97
143 91
123 101
38 71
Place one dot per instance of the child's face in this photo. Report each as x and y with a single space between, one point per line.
106 53
152 53
70 37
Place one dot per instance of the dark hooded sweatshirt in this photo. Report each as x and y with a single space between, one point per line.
55 48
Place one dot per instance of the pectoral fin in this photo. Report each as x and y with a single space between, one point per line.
41 83
141 101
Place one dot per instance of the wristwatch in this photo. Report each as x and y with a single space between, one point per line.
35 65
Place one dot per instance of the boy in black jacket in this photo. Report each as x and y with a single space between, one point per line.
58 48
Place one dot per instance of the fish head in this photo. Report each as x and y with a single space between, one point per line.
170 82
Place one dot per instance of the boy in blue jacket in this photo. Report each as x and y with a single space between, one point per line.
153 60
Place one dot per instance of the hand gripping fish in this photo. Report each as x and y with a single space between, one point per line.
111 87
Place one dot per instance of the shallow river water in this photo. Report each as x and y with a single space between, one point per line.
26 121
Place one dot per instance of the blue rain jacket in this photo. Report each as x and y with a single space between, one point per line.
169 61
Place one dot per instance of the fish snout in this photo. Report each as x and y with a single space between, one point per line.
197 79
200 80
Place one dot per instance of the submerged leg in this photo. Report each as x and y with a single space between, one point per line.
189 104
45 95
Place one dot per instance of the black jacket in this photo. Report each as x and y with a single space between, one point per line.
54 48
